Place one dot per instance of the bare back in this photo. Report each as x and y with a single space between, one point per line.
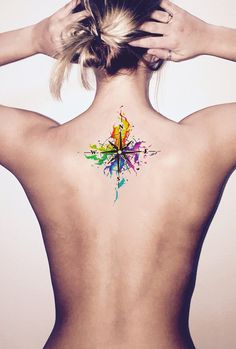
123 272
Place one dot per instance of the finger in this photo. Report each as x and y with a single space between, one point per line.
67 9
169 6
167 55
77 17
161 16
71 5
154 27
158 52
151 58
152 42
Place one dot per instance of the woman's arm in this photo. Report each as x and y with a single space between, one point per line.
222 42
43 37
16 45
186 36
17 126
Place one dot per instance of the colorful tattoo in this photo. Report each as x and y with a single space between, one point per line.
120 153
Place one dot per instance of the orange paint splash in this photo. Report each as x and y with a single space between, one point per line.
121 132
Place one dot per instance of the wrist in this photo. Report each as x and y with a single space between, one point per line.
37 37
209 38
26 38
41 36
213 40
221 42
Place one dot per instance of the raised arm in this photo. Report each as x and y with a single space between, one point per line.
17 125
43 37
185 37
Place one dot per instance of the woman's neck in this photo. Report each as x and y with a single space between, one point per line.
132 89
128 90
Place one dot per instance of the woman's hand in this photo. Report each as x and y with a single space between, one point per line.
184 36
48 33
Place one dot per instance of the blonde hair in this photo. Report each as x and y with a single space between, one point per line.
102 40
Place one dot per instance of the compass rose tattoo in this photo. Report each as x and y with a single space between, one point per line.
120 153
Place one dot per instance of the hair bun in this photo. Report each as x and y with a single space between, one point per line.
101 40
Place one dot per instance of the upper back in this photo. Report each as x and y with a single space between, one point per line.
172 191
163 165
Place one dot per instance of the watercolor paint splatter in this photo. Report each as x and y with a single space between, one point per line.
121 153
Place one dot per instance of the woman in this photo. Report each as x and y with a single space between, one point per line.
122 235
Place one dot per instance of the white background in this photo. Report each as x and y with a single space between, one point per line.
26 299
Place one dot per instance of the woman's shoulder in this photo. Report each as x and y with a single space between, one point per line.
215 128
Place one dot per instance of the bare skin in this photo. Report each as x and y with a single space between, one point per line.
123 275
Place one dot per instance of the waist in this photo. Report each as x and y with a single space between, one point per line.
99 331
139 339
